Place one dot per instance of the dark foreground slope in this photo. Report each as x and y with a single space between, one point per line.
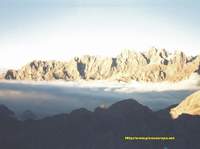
101 129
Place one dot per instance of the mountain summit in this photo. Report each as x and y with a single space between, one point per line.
154 65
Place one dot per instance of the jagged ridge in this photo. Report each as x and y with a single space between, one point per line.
151 66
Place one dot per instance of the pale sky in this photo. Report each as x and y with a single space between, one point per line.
62 29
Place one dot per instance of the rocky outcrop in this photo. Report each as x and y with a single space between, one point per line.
191 106
151 66
156 56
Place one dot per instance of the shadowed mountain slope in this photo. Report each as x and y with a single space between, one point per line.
103 128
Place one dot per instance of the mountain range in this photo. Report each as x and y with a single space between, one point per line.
105 128
154 65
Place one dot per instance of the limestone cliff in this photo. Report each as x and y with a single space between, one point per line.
191 106
151 66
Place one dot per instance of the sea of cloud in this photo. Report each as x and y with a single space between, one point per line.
53 97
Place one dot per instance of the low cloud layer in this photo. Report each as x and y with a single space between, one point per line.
49 98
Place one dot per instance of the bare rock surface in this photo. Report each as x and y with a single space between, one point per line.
191 106
154 65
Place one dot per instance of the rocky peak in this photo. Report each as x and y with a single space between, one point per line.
157 56
191 106
11 74
4 111
133 58
163 53
153 65
179 58
152 52
129 106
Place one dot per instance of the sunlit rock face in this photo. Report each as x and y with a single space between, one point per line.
191 106
91 67
156 56
155 65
